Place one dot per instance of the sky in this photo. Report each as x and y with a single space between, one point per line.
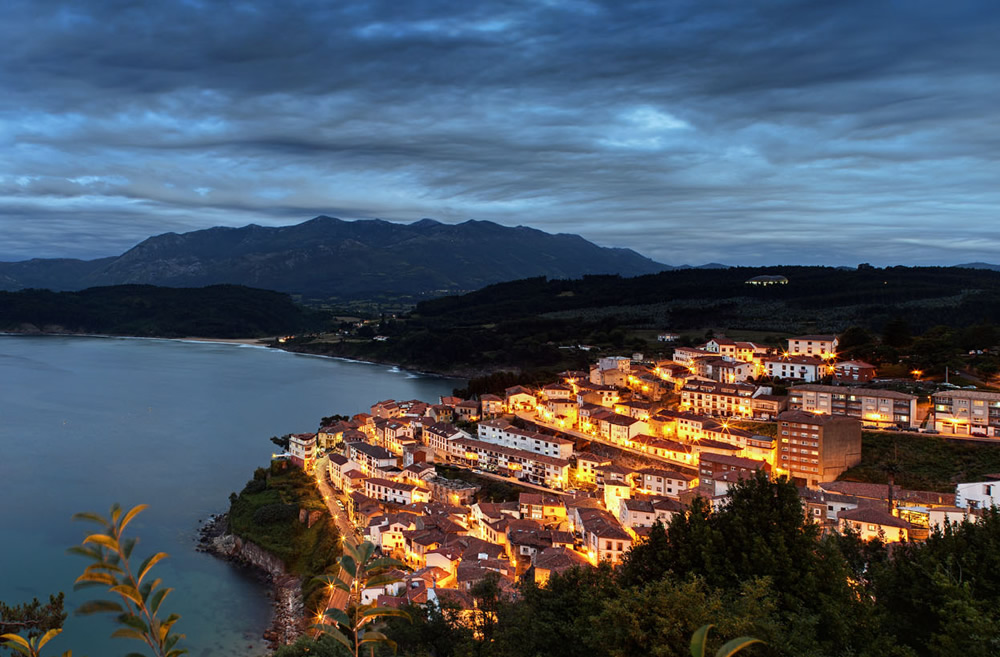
747 133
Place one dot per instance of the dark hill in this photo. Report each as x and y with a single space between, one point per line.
329 258
218 311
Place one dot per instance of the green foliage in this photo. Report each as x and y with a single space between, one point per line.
942 597
35 617
137 596
218 311
266 512
924 462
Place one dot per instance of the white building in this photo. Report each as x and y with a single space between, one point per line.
822 346
978 494
502 432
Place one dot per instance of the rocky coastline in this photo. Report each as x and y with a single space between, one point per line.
288 620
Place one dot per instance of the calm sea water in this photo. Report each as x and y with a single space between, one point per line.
86 422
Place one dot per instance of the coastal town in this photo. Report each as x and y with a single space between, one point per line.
598 458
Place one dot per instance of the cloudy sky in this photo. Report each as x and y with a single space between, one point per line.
739 132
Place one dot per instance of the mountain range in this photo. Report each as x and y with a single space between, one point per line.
327 258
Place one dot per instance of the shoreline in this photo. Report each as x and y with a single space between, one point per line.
262 343
287 611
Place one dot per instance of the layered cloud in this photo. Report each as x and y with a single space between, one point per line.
800 132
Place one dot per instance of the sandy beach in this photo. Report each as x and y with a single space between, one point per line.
251 341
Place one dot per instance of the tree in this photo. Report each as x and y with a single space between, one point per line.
139 596
896 333
35 617
359 625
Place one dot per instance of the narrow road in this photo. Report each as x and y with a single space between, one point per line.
337 598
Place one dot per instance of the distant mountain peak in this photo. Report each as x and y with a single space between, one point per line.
326 257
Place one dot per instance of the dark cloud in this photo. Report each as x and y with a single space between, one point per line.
693 131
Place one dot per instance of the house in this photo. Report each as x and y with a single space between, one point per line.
967 413
817 448
767 279
492 405
667 337
533 467
371 458
556 560
712 466
547 509
386 409
984 494
335 467
557 391
853 371
871 522
660 481
603 535
718 399
440 437
822 346
395 492
877 408
587 465
795 366
519 398
451 491
302 448
563 412
467 411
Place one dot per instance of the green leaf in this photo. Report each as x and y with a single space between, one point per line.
128 633
149 563
698 640
134 622
349 565
19 648
128 545
382 580
387 562
377 612
91 517
90 553
338 615
730 648
154 604
365 551
98 606
336 634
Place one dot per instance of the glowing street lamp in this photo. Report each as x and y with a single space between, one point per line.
917 374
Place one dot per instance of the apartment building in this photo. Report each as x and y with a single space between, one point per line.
536 468
876 408
967 413
718 399
502 432
815 448
805 368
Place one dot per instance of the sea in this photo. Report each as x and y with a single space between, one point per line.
87 422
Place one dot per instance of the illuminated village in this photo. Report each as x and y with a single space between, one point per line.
601 456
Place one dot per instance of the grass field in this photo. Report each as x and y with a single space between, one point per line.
925 462
266 512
